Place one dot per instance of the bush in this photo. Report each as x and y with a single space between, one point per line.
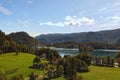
32 76
36 59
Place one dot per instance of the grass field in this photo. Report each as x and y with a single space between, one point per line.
99 73
22 61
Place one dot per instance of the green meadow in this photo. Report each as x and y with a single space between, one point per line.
23 61
10 61
99 73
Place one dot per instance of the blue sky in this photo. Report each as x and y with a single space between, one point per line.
58 16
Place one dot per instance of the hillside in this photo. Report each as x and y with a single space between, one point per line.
6 43
20 42
108 36
24 38
23 61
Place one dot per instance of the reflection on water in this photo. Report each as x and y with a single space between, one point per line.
63 51
98 52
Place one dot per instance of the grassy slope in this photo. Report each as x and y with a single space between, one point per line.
22 61
100 73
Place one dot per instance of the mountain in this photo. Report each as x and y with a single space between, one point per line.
24 38
107 36
7 44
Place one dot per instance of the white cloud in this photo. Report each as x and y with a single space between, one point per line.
116 17
110 22
5 10
87 21
110 16
24 23
110 7
71 21
102 9
52 24
41 33
74 21
116 4
29 1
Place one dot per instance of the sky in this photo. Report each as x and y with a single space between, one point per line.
58 16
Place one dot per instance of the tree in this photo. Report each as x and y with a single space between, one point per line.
51 72
36 59
36 62
71 73
50 53
32 76
1 51
104 61
85 57
82 66
70 69
61 70
17 53
72 65
117 58
85 47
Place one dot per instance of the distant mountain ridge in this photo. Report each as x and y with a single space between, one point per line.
106 36
24 38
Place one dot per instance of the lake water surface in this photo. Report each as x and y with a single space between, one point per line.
98 52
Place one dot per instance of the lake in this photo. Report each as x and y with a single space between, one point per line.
98 52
